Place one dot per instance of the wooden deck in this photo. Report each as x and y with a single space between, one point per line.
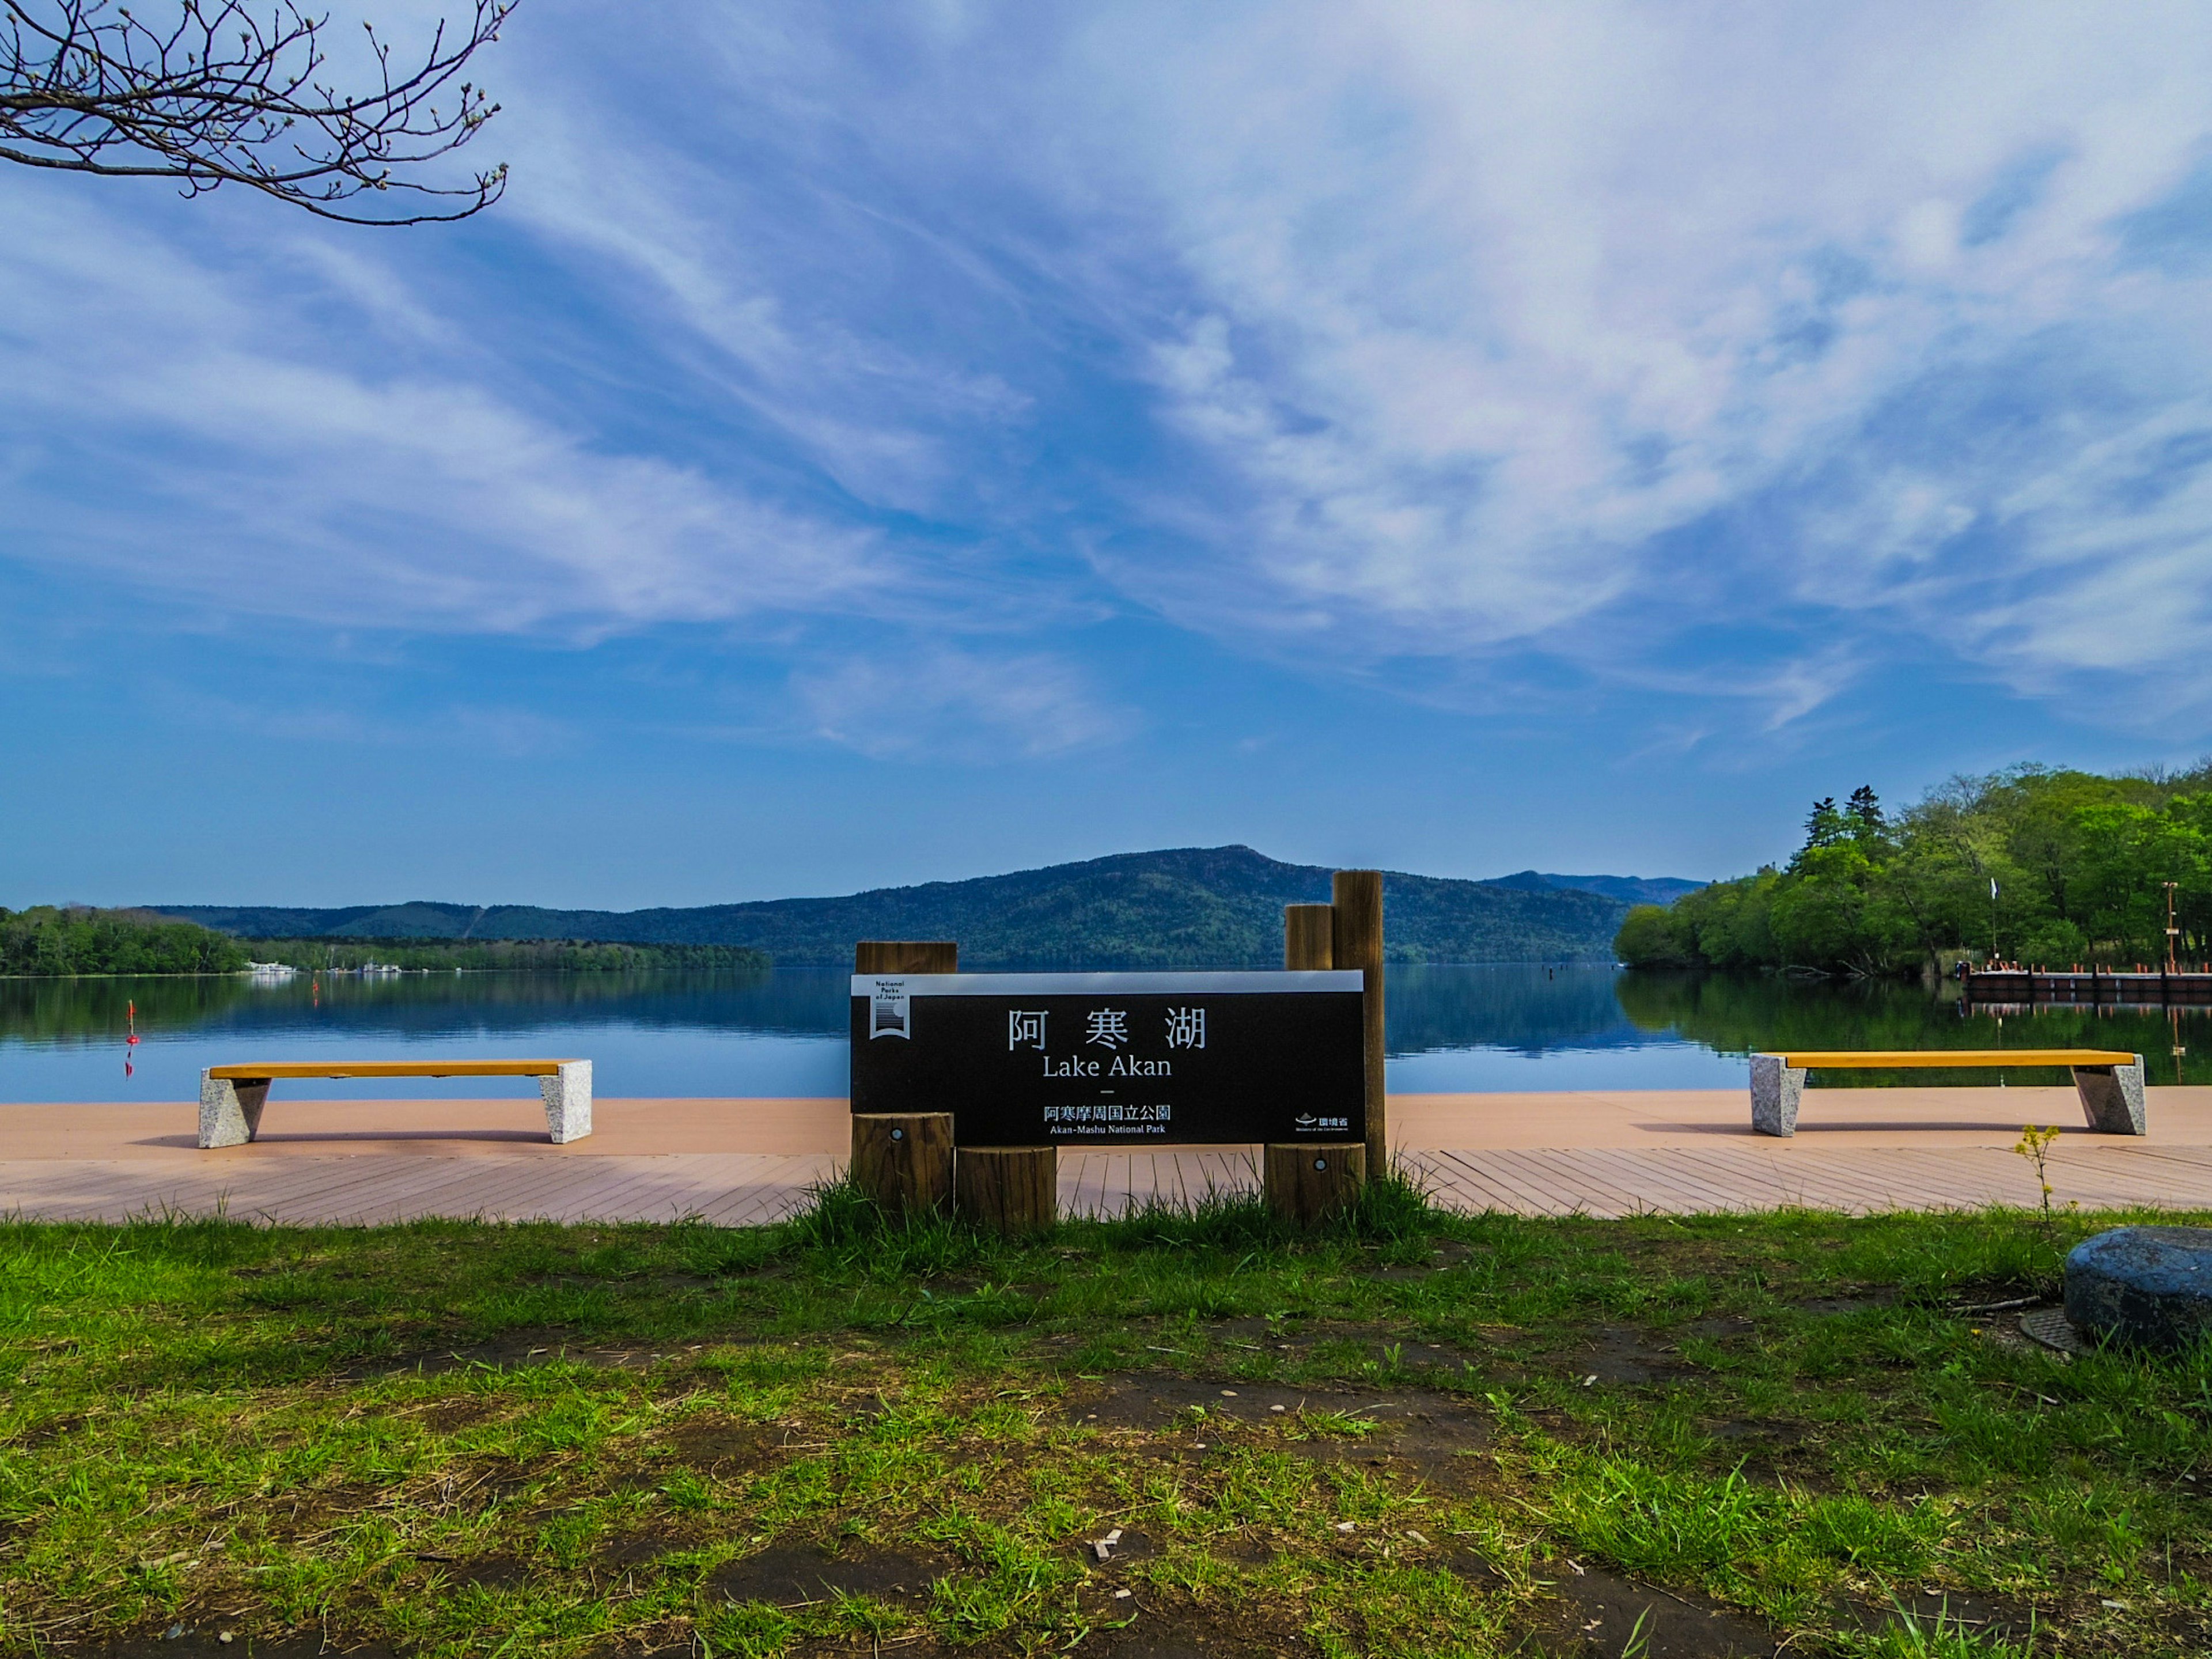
737 1163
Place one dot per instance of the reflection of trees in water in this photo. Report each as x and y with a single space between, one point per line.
1736 1013
46 1009
1522 1006
799 1002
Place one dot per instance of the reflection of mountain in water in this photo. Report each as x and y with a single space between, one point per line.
1521 1008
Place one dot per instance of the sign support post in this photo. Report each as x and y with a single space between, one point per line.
1358 941
904 1160
1306 1181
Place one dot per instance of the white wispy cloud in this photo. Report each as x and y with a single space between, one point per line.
250 459
975 707
1495 304
1730 352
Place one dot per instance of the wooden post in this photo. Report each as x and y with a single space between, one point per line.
906 956
1309 1183
1357 942
904 1160
1295 1190
1309 936
1011 1190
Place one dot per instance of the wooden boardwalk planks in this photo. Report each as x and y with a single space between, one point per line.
747 1189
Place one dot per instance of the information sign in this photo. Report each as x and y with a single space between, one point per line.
1031 1060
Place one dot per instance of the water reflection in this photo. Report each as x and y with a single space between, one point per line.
1503 1027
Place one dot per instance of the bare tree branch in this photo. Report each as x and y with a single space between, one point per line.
216 95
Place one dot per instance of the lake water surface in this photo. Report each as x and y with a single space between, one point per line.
1511 1026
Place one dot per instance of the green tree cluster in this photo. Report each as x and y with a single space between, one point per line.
2080 863
46 940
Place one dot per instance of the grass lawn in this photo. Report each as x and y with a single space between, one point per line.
1420 1435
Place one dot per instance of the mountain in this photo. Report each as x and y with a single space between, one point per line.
1189 907
1628 890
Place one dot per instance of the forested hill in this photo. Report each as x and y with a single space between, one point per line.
1191 907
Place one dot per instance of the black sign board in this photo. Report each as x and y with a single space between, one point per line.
1032 1059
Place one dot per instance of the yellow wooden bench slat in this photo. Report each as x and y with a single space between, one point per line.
276 1068
1845 1060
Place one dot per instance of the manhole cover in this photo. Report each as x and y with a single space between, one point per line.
2050 1327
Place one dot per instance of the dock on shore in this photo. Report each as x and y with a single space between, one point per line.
2149 988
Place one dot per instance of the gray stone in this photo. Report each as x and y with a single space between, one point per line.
2151 1285
2113 1097
1776 1089
568 1095
230 1111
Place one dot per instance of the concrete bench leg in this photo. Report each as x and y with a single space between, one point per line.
567 1101
2113 1098
230 1109
1776 1089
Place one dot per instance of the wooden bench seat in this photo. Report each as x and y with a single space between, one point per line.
2109 1080
232 1096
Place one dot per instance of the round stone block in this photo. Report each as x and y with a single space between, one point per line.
2148 1285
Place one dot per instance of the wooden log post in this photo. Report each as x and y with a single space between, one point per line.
904 1160
1309 936
1011 1190
1357 942
906 956
1305 1181
1309 1183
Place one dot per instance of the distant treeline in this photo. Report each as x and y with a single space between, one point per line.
2080 863
543 955
46 940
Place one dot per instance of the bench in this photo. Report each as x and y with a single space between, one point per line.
2110 1082
232 1096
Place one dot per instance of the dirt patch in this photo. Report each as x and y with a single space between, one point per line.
203 1641
1124 1549
1861 1302
510 1350
1975 1614
790 1574
716 1445
1427 1433
487 1572
1756 1432
447 1416
41 1434
1599 1613
1255 1330
1621 1354
1722 1329
640 1549
1166 1628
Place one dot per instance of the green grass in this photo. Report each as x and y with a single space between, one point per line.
460 1438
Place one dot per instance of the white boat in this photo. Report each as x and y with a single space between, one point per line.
271 973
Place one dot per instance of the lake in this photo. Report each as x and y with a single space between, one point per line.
1510 1026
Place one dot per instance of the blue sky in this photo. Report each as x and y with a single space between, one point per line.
884 443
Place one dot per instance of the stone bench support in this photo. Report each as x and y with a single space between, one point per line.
2113 1098
230 1109
1777 1087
